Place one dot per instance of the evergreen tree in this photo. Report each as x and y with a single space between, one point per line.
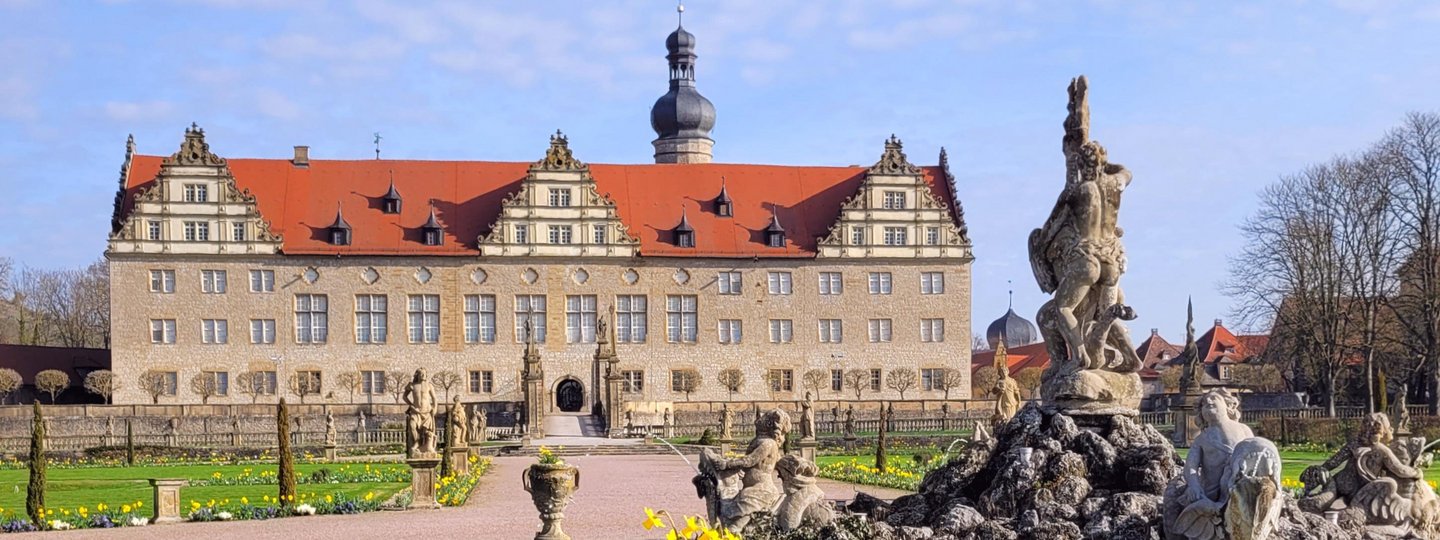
287 459
35 492
880 439
129 444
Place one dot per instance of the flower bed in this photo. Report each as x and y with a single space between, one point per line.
102 517
454 491
308 504
344 474
901 472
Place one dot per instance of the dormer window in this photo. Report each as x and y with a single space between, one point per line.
774 233
724 207
684 233
390 203
339 230
431 232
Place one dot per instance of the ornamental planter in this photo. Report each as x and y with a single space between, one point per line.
550 487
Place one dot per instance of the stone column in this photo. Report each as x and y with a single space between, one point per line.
166 507
422 483
534 388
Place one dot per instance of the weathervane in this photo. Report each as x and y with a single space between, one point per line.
377 145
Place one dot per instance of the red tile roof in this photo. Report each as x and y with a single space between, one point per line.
1219 344
1034 355
1155 351
300 202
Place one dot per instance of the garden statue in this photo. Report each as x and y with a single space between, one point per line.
669 424
850 422
1401 410
803 503
629 422
1389 492
173 435
979 434
1230 486
419 417
1007 396
330 435
455 436
757 492
727 421
477 426
807 417
360 422
1077 255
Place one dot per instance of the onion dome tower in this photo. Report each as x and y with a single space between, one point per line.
1012 329
682 118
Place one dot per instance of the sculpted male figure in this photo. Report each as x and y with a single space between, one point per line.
478 423
757 491
807 417
419 396
1231 482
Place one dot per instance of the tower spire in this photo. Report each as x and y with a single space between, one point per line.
682 118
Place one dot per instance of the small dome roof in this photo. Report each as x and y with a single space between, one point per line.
680 41
1014 329
682 112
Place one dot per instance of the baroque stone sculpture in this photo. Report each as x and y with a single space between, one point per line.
1077 255
1230 483
757 492
478 423
1007 395
727 421
330 434
807 417
850 422
455 436
1384 492
803 502
420 417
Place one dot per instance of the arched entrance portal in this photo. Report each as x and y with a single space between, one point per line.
569 396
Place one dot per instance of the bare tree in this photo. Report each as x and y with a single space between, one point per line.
983 383
1170 378
446 380
155 383
203 385
52 381
815 380
1411 154
395 382
978 343
1257 377
1028 379
302 384
901 380
9 382
350 382
103 383
685 381
66 307
857 379
950 379
251 383
732 379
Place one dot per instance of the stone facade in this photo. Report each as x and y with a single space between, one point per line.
451 278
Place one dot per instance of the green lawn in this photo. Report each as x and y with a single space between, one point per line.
115 486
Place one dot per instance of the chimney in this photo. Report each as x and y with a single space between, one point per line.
1217 322
1154 331
302 156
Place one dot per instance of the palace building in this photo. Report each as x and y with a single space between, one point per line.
242 279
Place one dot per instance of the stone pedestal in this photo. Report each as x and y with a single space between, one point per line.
725 445
807 448
422 482
1187 422
459 460
330 452
850 443
166 507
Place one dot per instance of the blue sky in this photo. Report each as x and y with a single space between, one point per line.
1205 101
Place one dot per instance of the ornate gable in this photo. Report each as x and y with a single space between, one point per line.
559 212
895 214
193 206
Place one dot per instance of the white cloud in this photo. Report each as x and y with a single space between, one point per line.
138 111
276 105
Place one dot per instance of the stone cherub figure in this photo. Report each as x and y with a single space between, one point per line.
455 436
478 423
756 470
1388 491
1077 255
1230 486
419 397
803 503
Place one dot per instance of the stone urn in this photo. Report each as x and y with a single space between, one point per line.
550 487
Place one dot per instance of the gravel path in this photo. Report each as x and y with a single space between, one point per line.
614 490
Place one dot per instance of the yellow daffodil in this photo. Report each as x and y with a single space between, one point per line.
244 500
369 495
329 499
690 527
651 520
125 509
101 507
672 535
